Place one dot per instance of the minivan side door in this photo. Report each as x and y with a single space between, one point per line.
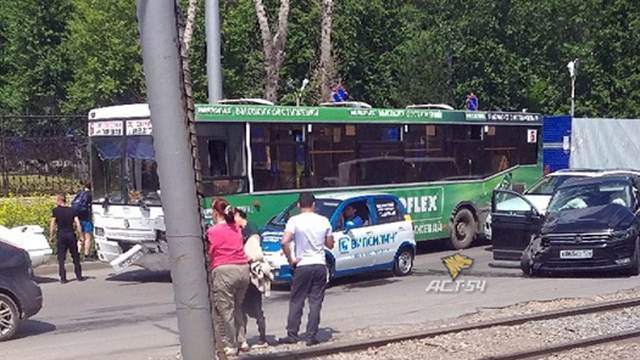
514 221
349 252
390 228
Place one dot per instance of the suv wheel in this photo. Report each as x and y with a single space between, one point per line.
404 263
9 317
635 264
464 229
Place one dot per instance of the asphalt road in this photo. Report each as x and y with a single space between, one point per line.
132 316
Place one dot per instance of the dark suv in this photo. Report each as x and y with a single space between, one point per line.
590 224
20 296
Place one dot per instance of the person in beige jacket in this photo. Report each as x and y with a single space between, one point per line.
261 278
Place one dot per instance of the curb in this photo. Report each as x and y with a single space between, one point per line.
52 269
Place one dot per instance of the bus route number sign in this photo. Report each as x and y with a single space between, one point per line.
105 128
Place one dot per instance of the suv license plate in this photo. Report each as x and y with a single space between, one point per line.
576 254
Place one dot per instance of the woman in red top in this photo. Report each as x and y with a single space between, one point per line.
230 274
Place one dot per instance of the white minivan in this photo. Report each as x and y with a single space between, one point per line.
372 232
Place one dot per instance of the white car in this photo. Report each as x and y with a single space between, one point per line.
540 193
383 240
30 238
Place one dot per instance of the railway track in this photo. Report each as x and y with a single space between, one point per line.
342 347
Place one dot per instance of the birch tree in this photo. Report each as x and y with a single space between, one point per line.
273 46
326 66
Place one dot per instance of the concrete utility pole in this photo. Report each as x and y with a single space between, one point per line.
573 72
167 102
214 66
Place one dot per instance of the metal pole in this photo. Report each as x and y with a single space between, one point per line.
214 67
573 95
4 178
167 102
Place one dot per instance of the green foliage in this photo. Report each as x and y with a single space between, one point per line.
34 185
33 67
16 211
513 54
104 53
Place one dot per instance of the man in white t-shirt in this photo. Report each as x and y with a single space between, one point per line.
310 234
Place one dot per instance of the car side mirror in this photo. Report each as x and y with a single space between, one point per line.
518 188
533 213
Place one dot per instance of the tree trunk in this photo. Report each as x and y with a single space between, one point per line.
326 66
273 46
188 28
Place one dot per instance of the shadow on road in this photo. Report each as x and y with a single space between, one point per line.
432 246
142 276
33 328
365 281
44 279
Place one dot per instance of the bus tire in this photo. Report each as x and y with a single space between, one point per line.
464 229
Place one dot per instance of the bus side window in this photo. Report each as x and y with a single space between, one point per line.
218 158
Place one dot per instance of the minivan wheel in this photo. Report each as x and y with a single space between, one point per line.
9 317
464 229
404 263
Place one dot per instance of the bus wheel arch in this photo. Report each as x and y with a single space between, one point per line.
463 225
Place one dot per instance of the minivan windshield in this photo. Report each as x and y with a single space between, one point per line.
324 207
591 195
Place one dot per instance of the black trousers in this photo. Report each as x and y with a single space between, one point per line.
252 307
68 241
309 282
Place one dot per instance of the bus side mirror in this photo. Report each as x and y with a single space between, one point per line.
106 203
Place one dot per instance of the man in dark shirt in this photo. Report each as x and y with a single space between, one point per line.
84 215
63 220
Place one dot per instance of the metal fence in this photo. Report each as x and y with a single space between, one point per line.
42 155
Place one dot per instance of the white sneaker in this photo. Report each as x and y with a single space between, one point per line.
244 347
260 345
229 351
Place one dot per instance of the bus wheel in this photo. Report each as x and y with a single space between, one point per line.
464 229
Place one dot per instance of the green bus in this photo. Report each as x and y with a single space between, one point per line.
442 164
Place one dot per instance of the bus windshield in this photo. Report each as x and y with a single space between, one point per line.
125 170
106 174
142 171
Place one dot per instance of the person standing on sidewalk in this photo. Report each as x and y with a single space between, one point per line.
62 224
310 234
260 276
230 276
82 204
